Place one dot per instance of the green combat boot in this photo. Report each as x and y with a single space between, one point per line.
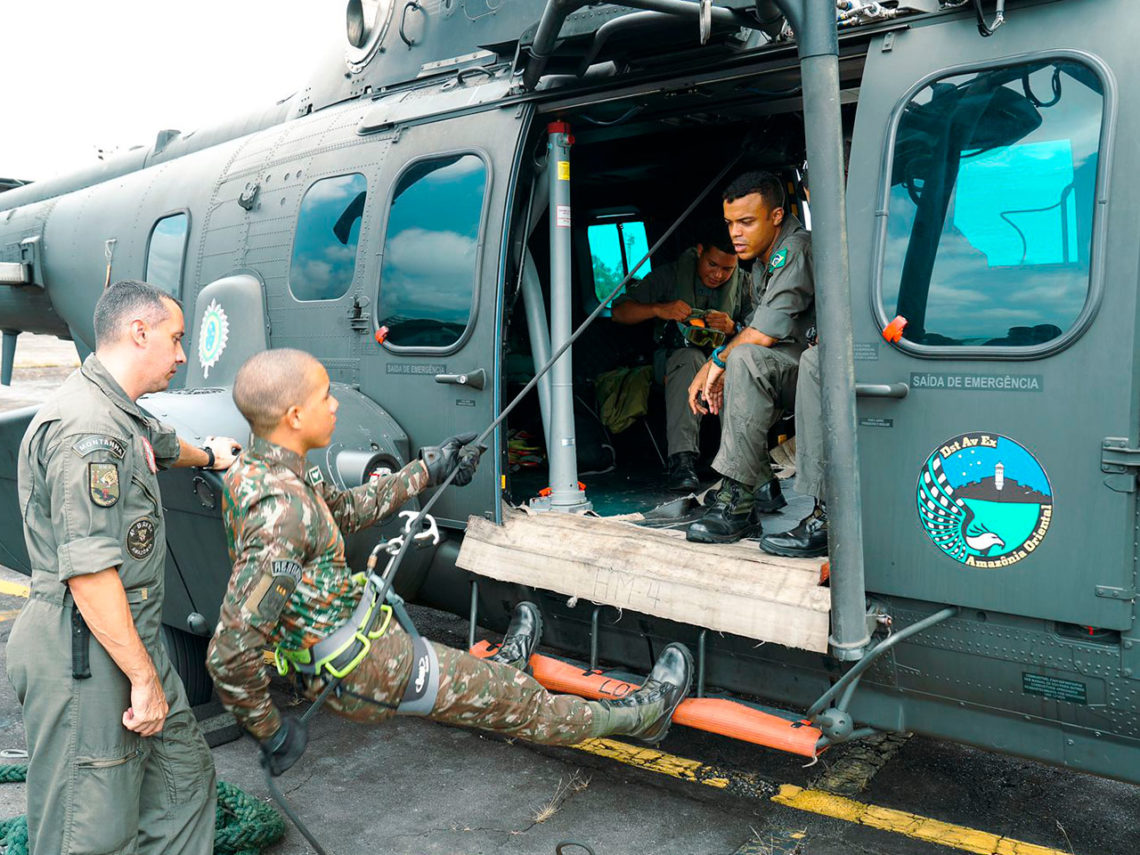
647 713
522 637
729 519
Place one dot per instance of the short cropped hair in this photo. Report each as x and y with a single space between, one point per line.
125 301
271 382
715 235
767 184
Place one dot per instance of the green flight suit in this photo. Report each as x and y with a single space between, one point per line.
810 469
760 382
678 362
89 497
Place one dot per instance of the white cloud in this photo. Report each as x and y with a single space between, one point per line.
111 74
422 252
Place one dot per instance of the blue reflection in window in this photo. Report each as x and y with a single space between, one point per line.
614 248
989 233
428 277
328 229
165 254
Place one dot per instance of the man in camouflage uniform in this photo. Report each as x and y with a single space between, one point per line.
291 588
116 761
752 379
705 278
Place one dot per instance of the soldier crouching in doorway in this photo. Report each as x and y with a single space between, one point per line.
292 589
116 760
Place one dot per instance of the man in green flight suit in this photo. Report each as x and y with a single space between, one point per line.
116 760
750 380
705 278
292 589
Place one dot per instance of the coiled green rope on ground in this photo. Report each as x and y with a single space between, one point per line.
243 826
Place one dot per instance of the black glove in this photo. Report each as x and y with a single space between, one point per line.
468 463
441 460
285 747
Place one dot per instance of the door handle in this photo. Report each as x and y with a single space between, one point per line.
476 379
881 390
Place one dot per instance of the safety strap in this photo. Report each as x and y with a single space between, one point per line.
423 683
337 654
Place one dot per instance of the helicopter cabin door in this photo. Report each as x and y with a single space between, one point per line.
436 298
993 432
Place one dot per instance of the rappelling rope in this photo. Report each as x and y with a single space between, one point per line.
242 826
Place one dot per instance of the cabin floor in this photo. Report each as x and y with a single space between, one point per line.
644 490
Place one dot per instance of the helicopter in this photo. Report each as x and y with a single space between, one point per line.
462 182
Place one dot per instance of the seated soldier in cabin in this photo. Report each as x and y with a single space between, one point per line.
696 303
292 590
751 380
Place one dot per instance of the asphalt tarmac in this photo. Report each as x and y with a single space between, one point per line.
412 786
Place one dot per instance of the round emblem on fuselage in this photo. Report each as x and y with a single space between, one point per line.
984 500
212 336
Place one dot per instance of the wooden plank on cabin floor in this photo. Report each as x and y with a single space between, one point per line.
732 588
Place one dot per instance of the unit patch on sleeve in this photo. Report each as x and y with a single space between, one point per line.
92 442
103 483
140 538
272 593
314 476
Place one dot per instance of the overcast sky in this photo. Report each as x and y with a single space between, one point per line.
76 76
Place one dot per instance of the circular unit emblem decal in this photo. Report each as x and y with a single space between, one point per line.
140 538
212 337
984 500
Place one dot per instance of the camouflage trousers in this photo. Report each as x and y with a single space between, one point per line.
472 693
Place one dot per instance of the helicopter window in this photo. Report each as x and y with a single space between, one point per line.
165 252
614 249
328 228
993 182
427 281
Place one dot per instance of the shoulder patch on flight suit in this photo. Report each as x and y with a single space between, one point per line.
92 442
140 538
314 476
779 259
103 483
271 593
148 453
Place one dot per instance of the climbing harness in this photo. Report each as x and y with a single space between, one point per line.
242 825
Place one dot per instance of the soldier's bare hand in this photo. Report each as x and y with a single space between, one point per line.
713 390
225 448
696 403
147 712
677 310
720 321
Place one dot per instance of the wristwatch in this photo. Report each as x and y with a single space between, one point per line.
210 454
716 360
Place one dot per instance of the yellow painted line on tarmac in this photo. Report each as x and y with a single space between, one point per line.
14 590
8 615
816 801
656 761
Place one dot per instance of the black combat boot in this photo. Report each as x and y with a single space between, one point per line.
647 713
523 634
807 540
768 497
729 519
683 472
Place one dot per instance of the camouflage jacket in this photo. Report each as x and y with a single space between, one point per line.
290 585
